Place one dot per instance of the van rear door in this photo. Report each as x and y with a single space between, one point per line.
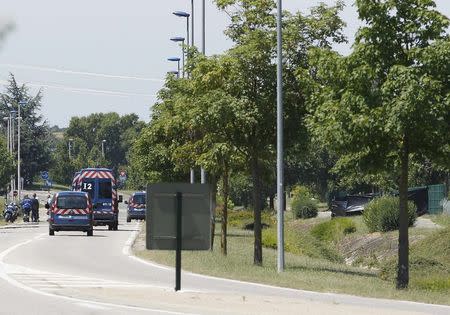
72 210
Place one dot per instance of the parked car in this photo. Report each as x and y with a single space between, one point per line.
71 211
136 206
350 204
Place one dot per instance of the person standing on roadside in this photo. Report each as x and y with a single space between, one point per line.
35 209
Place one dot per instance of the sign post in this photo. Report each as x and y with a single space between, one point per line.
178 218
179 241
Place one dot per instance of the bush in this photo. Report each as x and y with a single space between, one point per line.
334 230
382 214
304 207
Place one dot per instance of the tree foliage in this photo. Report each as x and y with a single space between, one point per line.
388 101
34 133
86 134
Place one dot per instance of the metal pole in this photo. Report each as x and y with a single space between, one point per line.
192 176
18 153
179 242
13 132
203 28
280 170
192 22
202 171
103 149
182 52
187 31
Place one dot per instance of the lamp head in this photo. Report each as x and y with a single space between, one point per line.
177 39
181 14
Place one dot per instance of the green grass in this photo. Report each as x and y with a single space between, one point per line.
315 258
302 272
429 263
334 230
442 219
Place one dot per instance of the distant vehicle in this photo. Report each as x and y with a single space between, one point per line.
136 206
71 211
350 204
100 184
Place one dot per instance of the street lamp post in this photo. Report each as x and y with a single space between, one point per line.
177 40
192 22
19 118
8 139
12 132
177 60
103 148
202 170
203 26
280 169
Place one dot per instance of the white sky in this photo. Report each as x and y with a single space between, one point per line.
110 55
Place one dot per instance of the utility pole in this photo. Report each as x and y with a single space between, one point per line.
280 127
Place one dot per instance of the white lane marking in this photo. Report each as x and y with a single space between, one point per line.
93 306
4 274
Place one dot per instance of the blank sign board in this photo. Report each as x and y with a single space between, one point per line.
161 216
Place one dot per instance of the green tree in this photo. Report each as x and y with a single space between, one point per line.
35 136
6 164
86 135
389 100
251 79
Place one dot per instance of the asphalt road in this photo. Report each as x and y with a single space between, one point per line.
71 273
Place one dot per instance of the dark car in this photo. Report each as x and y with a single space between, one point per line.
350 204
71 211
136 207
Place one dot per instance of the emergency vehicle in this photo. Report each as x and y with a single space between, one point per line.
100 184
70 211
136 206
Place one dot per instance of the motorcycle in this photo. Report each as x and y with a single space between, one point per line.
11 212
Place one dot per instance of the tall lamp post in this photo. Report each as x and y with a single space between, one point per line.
8 140
179 39
177 60
11 142
19 119
280 169
103 148
202 170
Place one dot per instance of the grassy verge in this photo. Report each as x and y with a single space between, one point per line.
312 263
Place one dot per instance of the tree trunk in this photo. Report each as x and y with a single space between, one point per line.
213 210
403 240
224 211
257 254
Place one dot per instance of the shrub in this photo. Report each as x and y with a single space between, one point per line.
334 230
382 214
304 207
301 191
